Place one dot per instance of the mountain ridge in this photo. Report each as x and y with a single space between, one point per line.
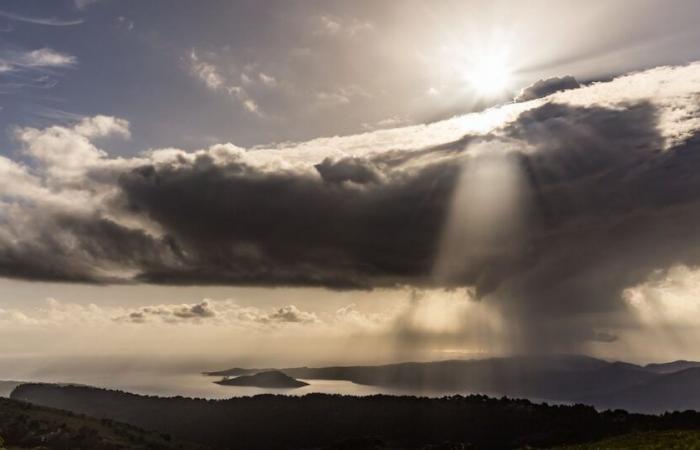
560 378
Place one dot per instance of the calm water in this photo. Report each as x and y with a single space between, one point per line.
200 386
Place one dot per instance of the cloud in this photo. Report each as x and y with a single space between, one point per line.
339 97
46 57
35 59
548 86
389 122
336 26
50 21
668 296
547 209
225 312
267 80
356 170
212 77
125 23
206 72
292 314
83 4
36 68
171 313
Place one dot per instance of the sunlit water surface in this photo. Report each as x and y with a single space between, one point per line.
201 386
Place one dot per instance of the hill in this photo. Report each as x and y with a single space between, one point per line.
6 387
650 440
671 367
271 379
561 378
334 421
668 392
23 425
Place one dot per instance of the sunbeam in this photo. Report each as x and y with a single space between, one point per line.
486 215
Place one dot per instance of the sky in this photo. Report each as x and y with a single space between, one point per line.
291 183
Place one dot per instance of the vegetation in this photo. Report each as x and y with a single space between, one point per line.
25 426
270 379
651 440
335 421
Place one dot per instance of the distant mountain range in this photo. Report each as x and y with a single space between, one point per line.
652 388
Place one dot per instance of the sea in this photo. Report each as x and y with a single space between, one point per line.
197 385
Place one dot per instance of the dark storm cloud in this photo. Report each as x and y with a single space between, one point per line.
543 88
232 223
610 193
72 248
356 170
602 191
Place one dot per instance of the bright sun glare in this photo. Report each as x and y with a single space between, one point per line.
489 75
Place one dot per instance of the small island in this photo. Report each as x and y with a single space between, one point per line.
270 379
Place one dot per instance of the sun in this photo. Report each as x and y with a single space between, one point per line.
490 74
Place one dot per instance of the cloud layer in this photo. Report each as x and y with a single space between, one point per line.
600 184
549 86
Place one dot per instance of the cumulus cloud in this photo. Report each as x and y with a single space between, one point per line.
225 312
598 191
548 86
171 313
292 314
668 296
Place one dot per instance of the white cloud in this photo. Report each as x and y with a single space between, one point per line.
66 152
251 106
35 60
45 57
330 25
82 4
102 126
207 73
36 67
337 26
245 79
332 98
389 122
267 80
211 76
668 296
223 312
292 314
125 23
340 96
50 21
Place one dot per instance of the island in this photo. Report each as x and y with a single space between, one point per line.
269 379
